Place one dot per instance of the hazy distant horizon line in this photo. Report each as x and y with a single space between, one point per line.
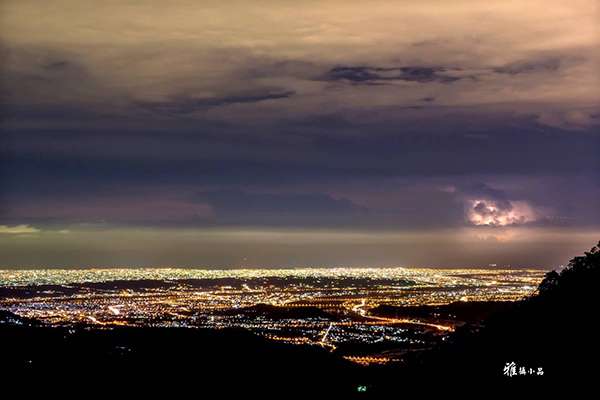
272 269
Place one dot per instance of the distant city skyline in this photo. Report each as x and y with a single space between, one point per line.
274 134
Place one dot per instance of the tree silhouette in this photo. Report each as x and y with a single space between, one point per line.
549 282
576 283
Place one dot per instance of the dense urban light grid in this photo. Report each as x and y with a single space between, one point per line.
334 304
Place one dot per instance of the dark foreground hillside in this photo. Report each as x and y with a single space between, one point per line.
166 361
546 342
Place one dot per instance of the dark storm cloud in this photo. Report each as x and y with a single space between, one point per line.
68 170
483 191
189 106
528 66
371 75
239 201
315 152
37 74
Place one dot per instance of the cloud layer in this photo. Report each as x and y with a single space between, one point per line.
150 120
268 61
240 201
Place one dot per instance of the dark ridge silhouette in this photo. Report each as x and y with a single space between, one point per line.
142 284
29 291
276 313
471 311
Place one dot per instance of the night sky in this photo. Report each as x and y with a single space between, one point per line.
280 134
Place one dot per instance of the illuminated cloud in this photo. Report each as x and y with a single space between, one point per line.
572 120
498 213
18 229
486 206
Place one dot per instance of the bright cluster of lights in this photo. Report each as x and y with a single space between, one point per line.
64 276
211 299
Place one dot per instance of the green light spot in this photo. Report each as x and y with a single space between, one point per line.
362 388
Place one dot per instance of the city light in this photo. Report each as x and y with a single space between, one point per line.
320 307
